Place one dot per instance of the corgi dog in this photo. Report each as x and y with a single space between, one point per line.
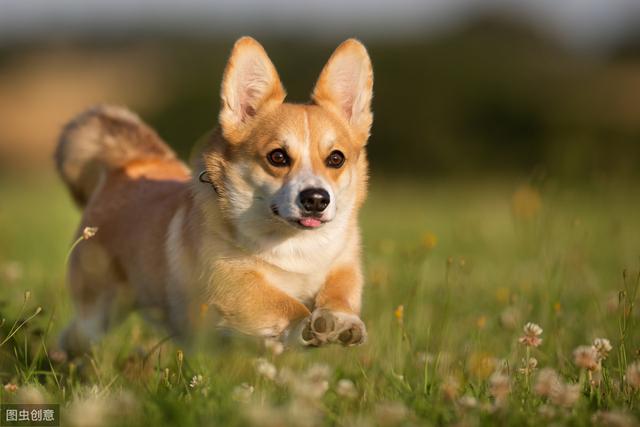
264 230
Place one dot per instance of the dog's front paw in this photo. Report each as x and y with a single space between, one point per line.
325 327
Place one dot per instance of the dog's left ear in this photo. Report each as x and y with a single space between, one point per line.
345 86
250 85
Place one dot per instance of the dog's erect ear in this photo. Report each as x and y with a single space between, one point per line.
345 85
250 85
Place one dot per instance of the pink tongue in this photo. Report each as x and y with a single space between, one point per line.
310 222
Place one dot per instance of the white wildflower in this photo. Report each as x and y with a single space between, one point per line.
265 368
196 381
548 383
499 387
274 346
528 366
586 357
567 395
531 337
603 347
346 388
313 384
89 232
633 375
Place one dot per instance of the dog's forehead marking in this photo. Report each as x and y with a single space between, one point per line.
306 138
300 138
305 152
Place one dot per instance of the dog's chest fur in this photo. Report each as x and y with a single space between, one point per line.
299 265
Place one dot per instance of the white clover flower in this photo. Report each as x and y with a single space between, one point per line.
274 346
499 387
567 395
318 372
528 365
586 357
311 390
547 383
265 368
531 337
89 232
603 347
196 381
309 386
633 375
532 329
346 388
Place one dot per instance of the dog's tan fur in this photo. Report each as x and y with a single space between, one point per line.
170 244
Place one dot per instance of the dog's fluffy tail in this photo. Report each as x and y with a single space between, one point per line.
100 139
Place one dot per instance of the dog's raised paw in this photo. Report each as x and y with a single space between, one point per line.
325 327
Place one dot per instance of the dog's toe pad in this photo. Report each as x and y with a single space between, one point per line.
337 327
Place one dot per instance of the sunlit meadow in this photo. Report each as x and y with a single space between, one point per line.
487 303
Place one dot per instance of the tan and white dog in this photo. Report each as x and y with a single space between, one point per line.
265 231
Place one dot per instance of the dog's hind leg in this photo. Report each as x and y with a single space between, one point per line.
95 291
91 322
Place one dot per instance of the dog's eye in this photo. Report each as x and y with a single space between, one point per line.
335 159
278 158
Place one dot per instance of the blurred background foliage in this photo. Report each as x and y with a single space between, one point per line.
495 96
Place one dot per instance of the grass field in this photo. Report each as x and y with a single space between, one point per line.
454 270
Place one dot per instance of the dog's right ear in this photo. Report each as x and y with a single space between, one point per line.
250 86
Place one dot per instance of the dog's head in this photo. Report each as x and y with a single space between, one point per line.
284 168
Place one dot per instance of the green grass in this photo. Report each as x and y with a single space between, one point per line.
468 271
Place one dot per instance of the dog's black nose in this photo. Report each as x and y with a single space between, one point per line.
314 200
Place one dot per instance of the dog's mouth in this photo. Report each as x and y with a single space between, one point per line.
309 222
305 222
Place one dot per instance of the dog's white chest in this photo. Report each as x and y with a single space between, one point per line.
300 266
302 287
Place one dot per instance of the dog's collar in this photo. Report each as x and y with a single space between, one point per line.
204 178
